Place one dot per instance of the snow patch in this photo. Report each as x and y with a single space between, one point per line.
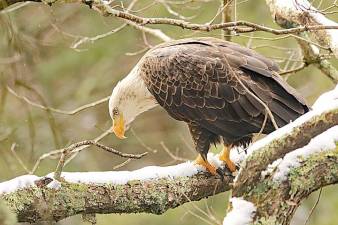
18 183
242 212
271 168
327 98
54 185
123 177
186 169
332 33
238 154
323 142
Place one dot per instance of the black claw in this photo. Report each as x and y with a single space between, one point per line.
224 172
88 2
220 173
237 167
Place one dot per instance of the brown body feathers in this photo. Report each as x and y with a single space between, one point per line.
213 86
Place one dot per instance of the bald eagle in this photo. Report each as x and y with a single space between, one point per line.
224 92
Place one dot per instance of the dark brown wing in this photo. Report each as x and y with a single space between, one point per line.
201 81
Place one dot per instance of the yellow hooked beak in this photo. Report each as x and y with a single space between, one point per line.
118 127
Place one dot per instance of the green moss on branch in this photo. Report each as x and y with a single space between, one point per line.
36 204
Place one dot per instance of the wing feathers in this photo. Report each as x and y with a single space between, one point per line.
197 81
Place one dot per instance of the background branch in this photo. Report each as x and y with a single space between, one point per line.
237 26
226 17
304 14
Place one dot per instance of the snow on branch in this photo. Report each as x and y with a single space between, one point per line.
326 141
242 212
150 189
186 169
276 202
302 13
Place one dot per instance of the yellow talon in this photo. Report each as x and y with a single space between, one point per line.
225 157
210 168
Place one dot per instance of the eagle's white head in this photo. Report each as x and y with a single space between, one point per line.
130 98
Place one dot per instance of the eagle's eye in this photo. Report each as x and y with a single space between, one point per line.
115 112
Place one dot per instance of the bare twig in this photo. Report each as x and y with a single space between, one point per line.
122 164
171 11
294 70
17 157
174 157
71 112
155 32
97 37
263 125
285 37
58 152
137 52
65 152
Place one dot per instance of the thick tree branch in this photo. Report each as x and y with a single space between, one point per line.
156 196
276 202
289 138
294 161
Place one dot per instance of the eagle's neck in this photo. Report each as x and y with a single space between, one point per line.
134 97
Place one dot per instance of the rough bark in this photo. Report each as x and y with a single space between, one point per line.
36 204
277 202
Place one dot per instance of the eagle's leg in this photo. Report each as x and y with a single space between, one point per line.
225 157
202 138
210 168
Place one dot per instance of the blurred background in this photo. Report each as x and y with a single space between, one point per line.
42 60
